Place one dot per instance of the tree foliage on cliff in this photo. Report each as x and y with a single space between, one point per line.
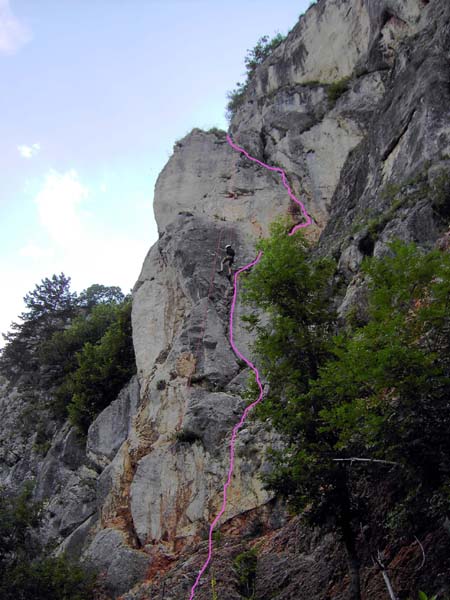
49 307
27 571
102 370
78 348
254 57
377 392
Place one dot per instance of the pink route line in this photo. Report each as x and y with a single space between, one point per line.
236 428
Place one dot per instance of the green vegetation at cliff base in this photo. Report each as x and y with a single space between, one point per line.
363 407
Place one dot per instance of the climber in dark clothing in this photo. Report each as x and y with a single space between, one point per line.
227 260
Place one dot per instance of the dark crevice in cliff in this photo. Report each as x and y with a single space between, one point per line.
396 140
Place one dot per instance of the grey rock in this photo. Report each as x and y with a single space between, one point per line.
68 448
120 566
210 417
109 479
408 131
204 335
169 492
355 302
75 543
71 502
110 429
239 383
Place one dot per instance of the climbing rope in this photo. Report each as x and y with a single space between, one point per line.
236 428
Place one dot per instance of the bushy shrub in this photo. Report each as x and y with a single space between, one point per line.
244 566
184 436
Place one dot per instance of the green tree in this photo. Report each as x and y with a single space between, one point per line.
378 392
51 298
100 294
404 353
50 306
103 368
294 291
58 355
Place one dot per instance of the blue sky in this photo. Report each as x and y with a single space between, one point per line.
94 95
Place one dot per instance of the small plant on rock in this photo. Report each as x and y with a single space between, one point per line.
244 566
161 385
337 88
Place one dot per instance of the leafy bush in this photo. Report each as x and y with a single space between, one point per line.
184 436
440 196
220 133
263 49
235 99
161 384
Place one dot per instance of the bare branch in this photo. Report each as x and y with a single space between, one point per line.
423 554
378 560
370 460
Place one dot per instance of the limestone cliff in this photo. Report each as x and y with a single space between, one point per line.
138 500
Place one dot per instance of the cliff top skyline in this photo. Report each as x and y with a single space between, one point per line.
96 97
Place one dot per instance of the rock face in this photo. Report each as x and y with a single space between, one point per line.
182 305
111 428
354 106
121 566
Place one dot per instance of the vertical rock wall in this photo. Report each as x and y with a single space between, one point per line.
151 480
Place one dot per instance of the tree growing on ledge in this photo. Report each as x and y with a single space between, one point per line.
361 408
254 57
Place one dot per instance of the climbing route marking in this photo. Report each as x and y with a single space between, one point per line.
236 428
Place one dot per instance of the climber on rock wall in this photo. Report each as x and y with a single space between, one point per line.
227 260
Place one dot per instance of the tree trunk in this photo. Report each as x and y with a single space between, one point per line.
354 588
349 539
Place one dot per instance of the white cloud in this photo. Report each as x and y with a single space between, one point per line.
103 188
13 33
58 206
71 240
81 245
32 250
28 151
